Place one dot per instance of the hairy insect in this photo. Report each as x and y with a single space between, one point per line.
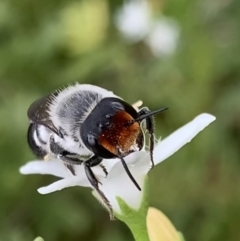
86 120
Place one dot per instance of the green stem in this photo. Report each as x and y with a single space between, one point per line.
136 219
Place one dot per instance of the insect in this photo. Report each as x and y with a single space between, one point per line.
86 120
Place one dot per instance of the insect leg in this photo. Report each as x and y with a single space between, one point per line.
150 129
104 169
127 171
65 156
69 158
54 147
93 161
69 162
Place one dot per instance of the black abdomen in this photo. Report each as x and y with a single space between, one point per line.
37 150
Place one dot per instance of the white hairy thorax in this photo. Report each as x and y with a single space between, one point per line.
66 100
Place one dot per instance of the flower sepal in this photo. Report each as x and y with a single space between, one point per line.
135 219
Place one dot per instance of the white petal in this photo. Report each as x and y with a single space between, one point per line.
109 163
119 184
163 38
64 183
56 168
181 137
52 167
134 19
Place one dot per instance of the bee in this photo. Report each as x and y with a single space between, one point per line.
87 120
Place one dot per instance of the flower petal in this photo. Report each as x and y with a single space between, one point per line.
38 239
163 38
181 137
119 184
134 20
159 227
64 183
52 167
109 163
57 168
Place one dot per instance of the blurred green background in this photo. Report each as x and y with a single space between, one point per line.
50 43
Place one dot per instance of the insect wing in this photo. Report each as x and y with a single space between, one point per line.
38 112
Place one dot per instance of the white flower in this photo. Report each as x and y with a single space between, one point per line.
163 38
133 20
117 183
136 22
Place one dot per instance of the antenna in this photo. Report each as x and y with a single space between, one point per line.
144 116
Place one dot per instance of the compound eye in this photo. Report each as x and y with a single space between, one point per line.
91 140
117 106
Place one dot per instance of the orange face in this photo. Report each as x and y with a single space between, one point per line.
120 135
